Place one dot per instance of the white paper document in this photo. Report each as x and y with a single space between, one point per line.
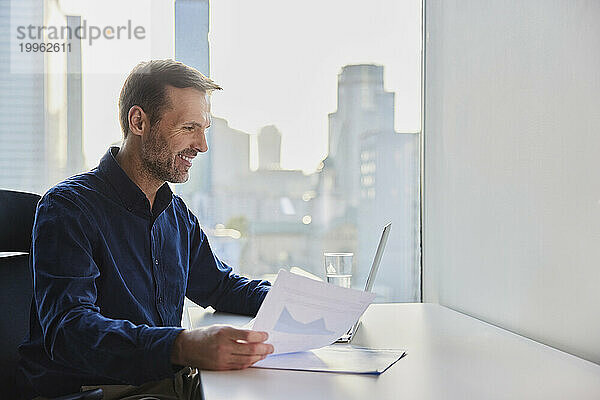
302 314
335 358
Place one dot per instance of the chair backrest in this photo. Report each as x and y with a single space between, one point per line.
15 303
17 212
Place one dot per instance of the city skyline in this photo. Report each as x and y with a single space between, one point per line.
264 218
274 71
277 69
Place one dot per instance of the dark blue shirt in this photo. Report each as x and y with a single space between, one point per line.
110 277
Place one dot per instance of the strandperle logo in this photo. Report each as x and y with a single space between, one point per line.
90 33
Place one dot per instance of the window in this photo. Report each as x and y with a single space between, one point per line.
314 144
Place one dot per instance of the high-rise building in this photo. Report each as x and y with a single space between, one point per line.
22 128
40 102
231 154
191 48
63 109
230 164
75 159
191 34
272 204
389 191
363 105
269 148
370 178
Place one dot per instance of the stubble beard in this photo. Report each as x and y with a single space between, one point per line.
158 161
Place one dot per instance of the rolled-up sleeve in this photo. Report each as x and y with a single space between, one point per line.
213 283
75 332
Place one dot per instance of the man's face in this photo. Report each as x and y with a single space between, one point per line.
169 148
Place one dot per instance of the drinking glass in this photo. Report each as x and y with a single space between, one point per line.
338 268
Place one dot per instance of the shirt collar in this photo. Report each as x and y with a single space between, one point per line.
132 197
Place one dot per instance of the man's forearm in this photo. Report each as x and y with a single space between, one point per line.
242 295
116 349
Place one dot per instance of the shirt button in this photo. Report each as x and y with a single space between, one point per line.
156 261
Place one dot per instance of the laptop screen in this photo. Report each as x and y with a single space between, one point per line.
378 255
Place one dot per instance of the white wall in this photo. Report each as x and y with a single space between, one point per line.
512 161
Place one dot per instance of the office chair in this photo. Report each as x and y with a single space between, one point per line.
17 212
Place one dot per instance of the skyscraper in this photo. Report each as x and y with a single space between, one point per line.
230 164
22 129
363 105
40 102
370 178
75 160
389 186
191 48
191 34
63 112
269 148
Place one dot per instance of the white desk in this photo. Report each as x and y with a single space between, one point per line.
449 356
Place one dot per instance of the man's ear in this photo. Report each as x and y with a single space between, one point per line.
138 120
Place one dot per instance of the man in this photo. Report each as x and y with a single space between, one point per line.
114 253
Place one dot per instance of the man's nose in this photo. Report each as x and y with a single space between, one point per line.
202 145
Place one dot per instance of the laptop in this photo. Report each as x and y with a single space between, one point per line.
347 338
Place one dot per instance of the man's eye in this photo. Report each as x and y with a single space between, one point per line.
188 128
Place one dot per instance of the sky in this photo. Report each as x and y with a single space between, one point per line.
277 61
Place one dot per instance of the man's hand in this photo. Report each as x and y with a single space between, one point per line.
220 347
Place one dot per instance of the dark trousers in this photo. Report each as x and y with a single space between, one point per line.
185 385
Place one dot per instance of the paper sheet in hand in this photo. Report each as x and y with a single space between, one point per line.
335 358
301 314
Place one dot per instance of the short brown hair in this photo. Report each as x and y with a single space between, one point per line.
146 87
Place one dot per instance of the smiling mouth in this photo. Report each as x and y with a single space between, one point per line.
187 160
